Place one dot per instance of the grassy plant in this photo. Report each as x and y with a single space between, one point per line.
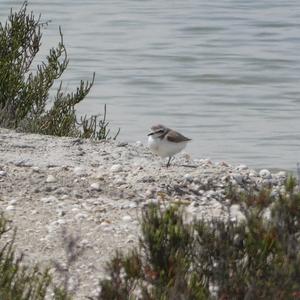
24 94
163 268
124 272
19 282
95 127
257 258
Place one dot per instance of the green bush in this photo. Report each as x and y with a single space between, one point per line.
19 282
258 258
24 94
162 269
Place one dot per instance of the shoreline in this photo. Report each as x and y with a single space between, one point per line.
96 190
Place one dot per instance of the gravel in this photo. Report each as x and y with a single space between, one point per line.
48 190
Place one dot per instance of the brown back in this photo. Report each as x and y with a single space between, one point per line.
176 137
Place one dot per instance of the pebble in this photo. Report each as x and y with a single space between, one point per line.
266 183
151 202
281 174
104 224
52 227
241 168
236 214
81 216
225 178
106 228
80 171
23 163
148 194
131 238
35 169
13 202
194 204
238 178
212 194
122 144
61 213
205 161
116 168
252 174
49 199
119 180
188 177
126 156
266 174
77 194
85 243
126 218
3 173
49 189
62 191
136 222
99 175
60 222
75 209
10 208
222 164
146 179
132 205
95 186
51 179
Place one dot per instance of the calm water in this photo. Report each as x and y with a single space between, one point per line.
225 73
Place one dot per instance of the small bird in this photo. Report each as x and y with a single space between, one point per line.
166 142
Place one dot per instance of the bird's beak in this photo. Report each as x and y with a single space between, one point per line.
151 133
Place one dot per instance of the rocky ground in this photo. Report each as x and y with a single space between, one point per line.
52 188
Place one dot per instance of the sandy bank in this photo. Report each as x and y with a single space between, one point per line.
97 189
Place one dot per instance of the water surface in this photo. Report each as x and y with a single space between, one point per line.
225 73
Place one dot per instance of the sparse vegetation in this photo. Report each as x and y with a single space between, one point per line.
24 93
258 258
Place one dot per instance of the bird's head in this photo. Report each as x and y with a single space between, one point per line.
157 131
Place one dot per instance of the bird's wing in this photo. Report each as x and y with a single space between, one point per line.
176 137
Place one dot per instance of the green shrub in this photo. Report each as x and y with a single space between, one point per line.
258 258
162 269
24 94
19 282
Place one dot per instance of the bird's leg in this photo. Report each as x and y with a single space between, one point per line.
168 164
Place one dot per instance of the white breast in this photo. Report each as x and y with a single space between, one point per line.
165 148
